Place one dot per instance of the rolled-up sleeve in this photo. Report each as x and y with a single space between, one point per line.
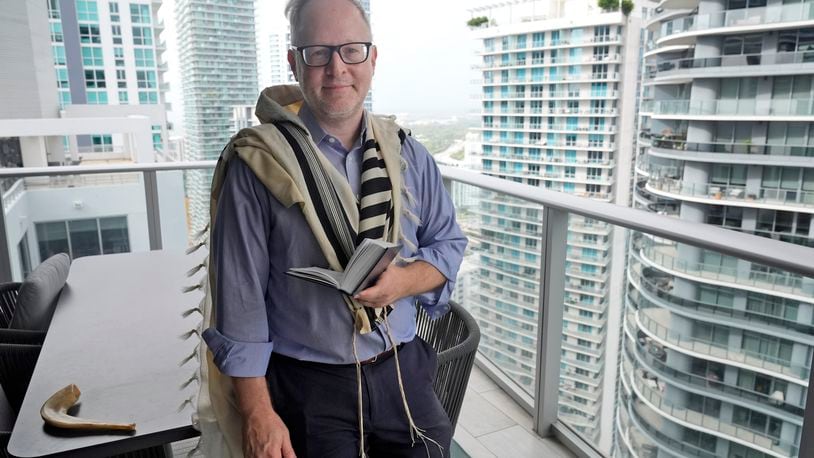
441 242
240 341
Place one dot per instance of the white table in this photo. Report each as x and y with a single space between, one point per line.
116 335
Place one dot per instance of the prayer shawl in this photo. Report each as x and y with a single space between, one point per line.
267 150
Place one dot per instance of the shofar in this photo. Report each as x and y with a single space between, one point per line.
55 413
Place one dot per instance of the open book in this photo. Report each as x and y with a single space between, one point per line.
370 259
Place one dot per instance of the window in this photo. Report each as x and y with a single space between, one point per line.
766 346
723 174
94 79
121 79
711 333
146 79
114 12
756 421
123 100
743 44
118 55
53 9
97 97
139 14
89 33
147 97
56 32
59 54
116 31
796 40
64 98
87 11
144 57
62 78
83 237
92 56
142 36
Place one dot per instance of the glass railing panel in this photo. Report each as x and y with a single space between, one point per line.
81 215
718 349
183 207
499 281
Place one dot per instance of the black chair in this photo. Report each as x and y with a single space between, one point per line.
455 337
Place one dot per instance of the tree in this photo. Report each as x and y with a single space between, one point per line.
477 21
608 5
613 5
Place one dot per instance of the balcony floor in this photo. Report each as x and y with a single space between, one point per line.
491 425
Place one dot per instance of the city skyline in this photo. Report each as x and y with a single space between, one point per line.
703 114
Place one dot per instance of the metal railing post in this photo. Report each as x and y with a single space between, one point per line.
549 325
153 213
5 258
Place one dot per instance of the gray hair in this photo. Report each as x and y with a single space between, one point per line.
293 10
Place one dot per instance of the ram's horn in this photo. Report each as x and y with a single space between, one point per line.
55 413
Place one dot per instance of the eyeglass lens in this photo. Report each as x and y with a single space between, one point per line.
350 53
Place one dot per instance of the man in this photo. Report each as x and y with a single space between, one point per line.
316 374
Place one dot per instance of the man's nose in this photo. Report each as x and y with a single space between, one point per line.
336 65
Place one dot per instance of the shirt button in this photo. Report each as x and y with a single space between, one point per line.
331 140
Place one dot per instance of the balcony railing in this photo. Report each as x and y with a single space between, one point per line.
757 361
739 60
711 423
732 107
743 17
731 147
701 383
542 395
719 192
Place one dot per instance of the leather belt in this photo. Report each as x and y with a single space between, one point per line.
381 356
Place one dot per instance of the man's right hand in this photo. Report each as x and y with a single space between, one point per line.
264 433
266 436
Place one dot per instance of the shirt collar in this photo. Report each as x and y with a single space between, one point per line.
318 133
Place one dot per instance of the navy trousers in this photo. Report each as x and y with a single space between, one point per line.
319 405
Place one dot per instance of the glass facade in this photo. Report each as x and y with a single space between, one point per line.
717 349
550 118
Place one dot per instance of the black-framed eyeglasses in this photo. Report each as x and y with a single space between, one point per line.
321 55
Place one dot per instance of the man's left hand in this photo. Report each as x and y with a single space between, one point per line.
397 282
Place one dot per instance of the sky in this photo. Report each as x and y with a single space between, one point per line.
426 53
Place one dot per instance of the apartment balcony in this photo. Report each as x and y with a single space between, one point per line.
741 196
644 357
657 292
541 45
735 152
731 110
647 390
747 20
509 409
762 64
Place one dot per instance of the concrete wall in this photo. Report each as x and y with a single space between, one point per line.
27 74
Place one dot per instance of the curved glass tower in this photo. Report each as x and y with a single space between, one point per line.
716 351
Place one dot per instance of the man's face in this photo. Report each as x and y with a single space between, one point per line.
335 92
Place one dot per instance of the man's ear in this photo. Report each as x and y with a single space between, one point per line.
374 53
292 62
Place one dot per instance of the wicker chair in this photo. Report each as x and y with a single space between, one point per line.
455 337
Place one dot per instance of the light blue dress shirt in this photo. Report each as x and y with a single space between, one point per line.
260 309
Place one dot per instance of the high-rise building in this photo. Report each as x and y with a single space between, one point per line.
81 215
218 63
717 350
109 53
558 107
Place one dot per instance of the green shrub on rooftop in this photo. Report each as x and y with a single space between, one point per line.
477 21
